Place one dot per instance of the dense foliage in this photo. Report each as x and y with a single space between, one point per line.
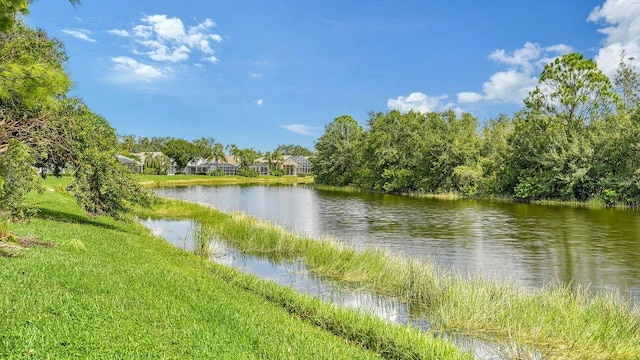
182 152
577 138
40 127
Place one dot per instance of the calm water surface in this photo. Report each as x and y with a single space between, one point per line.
294 275
530 245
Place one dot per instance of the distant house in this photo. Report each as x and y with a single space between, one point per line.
227 169
171 170
260 168
203 167
230 159
292 165
297 164
134 165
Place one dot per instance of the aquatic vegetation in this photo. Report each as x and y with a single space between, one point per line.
557 321
129 294
202 235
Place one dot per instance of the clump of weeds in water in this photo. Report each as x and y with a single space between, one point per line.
202 236
552 322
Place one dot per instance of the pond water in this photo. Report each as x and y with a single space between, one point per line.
530 245
180 233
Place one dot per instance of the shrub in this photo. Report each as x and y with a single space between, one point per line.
248 173
17 178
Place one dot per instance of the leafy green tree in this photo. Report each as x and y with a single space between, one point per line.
456 166
87 145
17 178
234 150
494 150
218 152
627 82
208 149
181 151
550 159
572 89
247 157
337 153
40 126
128 143
32 78
157 164
291 149
9 9
392 149
552 143
615 163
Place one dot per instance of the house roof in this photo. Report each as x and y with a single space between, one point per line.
297 160
128 161
230 159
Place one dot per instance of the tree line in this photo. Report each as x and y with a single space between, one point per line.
576 138
41 126
182 152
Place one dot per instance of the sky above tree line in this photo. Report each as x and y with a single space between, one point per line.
263 73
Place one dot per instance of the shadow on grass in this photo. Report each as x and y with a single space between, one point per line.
60 216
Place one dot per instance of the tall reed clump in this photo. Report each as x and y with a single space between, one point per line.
202 235
389 340
556 321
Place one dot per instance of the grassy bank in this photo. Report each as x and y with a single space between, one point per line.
178 180
110 289
557 322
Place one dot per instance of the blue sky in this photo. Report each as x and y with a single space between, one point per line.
263 73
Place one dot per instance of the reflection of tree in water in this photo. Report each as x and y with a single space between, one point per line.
531 245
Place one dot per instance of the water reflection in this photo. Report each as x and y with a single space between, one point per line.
179 233
528 244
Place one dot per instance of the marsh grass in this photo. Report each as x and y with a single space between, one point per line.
202 235
557 321
388 340
129 294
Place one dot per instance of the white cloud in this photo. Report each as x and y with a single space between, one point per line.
418 101
211 59
469 97
521 76
167 39
259 102
163 53
131 70
217 38
522 58
511 86
621 21
300 129
255 76
81 34
121 33
164 27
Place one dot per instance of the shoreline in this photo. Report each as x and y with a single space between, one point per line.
111 288
150 181
545 320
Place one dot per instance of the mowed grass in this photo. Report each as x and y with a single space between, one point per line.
554 322
112 290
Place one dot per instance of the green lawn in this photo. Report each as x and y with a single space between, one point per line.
128 294
112 290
